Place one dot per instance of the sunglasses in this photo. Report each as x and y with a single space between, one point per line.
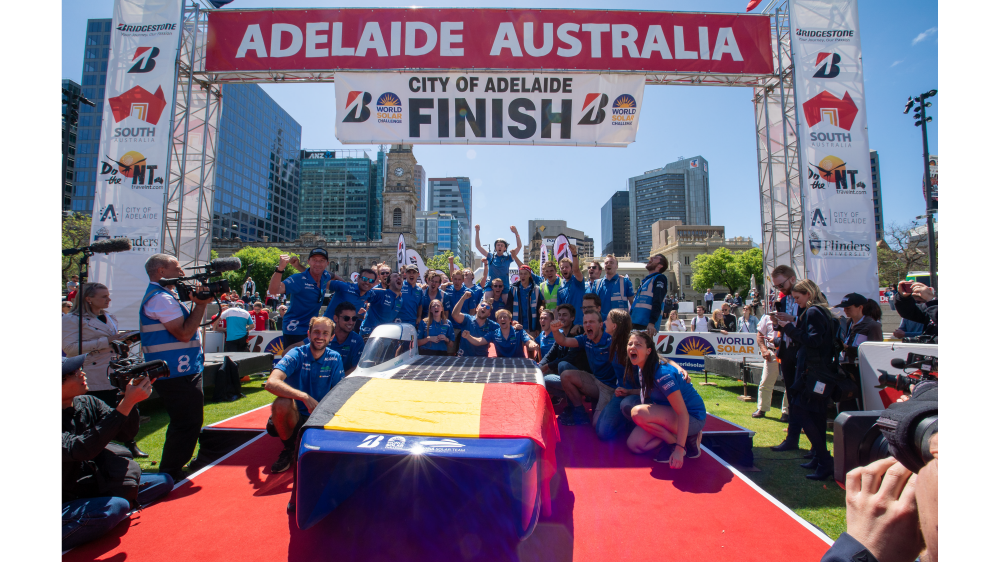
368 279
384 273
349 318
593 267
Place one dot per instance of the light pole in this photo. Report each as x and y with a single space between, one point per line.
920 114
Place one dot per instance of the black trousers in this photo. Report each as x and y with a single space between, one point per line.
237 345
788 365
184 400
813 421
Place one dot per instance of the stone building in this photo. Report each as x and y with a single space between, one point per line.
682 244
549 229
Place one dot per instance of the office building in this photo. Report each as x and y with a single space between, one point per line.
88 138
454 197
615 225
420 185
547 230
375 198
257 170
677 191
71 102
877 195
441 230
336 199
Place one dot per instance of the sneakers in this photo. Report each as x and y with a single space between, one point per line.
783 418
574 416
663 455
565 417
284 461
691 448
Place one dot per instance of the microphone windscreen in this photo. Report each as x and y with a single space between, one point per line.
225 264
111 245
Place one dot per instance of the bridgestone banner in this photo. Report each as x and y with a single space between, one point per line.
135 140
485 108
499 39
833 142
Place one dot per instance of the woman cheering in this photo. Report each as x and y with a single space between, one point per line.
435 332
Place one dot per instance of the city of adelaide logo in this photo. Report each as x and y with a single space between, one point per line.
389 109
834 170
593 108
827 63
132 165
832 248
145 60
138 102
623 110
357 107
695 346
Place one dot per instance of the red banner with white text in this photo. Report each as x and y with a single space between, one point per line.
426 38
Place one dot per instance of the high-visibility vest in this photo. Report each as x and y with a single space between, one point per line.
183 357
550 293
642 305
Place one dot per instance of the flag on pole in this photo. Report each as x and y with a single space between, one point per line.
413 258
545 253
400 253
561 248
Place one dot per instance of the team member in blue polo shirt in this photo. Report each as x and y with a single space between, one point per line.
495 298
412 296
648 304
545 338
507 340
677 413
354 293
435 332
453 292
498 263
475 325
345 340
300 380
306 291
470 283
601 384
573 287
615 291
431 292
383 305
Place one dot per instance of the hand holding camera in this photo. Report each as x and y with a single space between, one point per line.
882 510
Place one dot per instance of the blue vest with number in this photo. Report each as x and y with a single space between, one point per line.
642 306
183 358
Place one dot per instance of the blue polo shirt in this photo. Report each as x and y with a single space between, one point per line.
499 266
307 298
511 346
435 329
383 308
477 295
599 357
572 293
350 292
497 304
452 295
668 381
546 341
350 350
411 298
443 296
313 376
465 348
610 291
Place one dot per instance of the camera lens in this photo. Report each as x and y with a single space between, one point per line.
873 447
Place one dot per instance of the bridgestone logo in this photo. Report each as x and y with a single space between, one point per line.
824 32
143 28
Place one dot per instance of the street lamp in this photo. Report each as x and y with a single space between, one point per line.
920 114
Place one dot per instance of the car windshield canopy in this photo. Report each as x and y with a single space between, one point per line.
381 350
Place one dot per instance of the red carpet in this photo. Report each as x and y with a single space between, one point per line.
254 419
607 504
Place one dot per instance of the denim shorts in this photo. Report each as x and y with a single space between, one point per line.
694 424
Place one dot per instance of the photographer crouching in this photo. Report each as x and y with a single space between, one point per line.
170 332
101 483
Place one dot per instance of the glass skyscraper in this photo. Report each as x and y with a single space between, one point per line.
454 196
88 137
70 118
257 168
339 188
677 191
615 225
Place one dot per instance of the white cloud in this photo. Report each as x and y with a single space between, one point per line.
895 63
924 35
470 154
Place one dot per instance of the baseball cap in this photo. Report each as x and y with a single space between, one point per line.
852 299
525 266
71 364
411 267
319 252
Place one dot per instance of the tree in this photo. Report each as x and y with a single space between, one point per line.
731 270
260 262
75 234
900 251
537 268
440 262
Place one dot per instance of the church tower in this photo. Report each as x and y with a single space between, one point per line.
399 199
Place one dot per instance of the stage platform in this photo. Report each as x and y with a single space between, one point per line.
607 504
248 363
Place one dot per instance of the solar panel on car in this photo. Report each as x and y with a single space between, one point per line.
469 369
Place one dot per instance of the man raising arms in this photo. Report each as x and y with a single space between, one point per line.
306 290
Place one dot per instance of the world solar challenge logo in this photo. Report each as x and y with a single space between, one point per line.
695 345
388 109
623 111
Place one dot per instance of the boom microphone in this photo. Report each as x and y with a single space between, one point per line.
219 265
106 246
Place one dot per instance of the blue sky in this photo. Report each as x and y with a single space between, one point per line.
514 184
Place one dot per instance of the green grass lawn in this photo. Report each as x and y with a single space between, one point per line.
820 503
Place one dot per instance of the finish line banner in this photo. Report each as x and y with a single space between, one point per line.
135 142
837 202
487 108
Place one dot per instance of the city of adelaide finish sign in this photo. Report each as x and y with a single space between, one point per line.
488 39
488 108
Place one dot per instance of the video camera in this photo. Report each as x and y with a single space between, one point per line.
212 289
122 370
903 430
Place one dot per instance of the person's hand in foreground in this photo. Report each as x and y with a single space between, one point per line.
882 510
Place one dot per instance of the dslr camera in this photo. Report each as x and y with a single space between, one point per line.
124 368
186 286
903 430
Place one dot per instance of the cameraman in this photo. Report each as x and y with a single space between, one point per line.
918 302
170 332
99 485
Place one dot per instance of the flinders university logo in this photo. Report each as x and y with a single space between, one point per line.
695 345
623 110
389 109
357 107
